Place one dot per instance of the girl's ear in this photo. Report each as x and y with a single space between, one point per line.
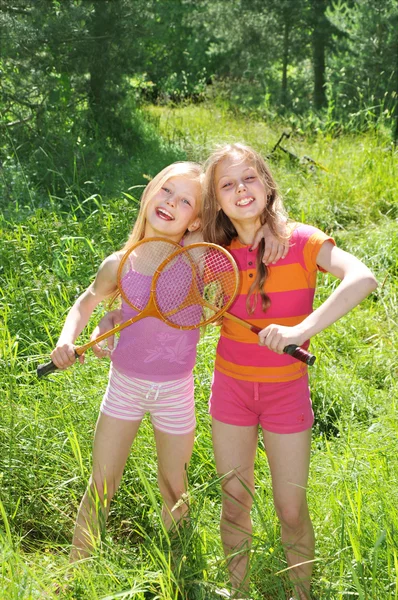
195 225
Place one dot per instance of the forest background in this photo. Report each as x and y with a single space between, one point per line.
97 97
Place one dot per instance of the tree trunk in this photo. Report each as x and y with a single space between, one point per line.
319 40
285 61
99 63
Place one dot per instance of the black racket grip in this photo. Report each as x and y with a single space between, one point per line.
300 354
47 368
293 350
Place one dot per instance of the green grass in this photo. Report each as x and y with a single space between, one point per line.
48 255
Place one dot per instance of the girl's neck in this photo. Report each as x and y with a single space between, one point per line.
150 233
246 231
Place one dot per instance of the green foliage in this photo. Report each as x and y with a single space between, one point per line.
363 72
77 147
73 166
69 101
49 254
74 75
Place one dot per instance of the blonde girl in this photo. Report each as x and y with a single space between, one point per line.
255 384
150 382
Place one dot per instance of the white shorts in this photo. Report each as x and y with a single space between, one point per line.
170 403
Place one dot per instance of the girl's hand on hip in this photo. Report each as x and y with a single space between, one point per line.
277 337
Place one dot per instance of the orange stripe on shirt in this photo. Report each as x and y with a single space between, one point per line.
237 332
290 286
312 248
286 373
282 278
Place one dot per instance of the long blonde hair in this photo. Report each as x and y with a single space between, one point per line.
219 229
188 169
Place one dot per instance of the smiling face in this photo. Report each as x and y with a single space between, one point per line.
241 193
174 209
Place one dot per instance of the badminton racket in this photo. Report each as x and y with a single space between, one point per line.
293 350
187 292
134 277
214 285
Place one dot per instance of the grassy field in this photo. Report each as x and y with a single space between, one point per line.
49 254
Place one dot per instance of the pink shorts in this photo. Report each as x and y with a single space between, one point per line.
281 407
170 404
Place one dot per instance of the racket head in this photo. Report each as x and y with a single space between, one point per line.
195 285
138 266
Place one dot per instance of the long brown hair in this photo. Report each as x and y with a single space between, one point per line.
218 228
187 169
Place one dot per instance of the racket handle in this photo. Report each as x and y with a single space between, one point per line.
300 354
293 350
47 368
50 367
255 329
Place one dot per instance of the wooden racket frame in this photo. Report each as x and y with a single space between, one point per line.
150 309
194 295
49 367
292 349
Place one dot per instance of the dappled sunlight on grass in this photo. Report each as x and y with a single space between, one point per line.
48 256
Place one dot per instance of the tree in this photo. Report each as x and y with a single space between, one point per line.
364 79
66 87
320 34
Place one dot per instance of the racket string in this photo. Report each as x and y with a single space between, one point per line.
196 286
138 268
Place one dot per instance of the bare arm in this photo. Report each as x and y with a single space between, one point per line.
357 282
108 321
104 284
274 248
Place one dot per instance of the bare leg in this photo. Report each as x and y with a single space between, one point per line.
174 453
234 451
112 443
289 459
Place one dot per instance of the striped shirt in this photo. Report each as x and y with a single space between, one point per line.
290 285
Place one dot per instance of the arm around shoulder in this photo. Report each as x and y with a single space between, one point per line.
275 247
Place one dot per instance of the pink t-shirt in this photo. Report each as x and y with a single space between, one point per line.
150 349
290 286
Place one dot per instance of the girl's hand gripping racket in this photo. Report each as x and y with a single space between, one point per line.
134 278
295 351
205 281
